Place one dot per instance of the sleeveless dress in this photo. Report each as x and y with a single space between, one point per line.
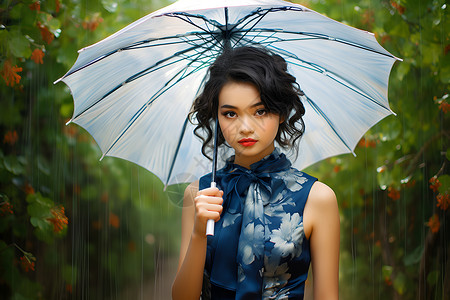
259 249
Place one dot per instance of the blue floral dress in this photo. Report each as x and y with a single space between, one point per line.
259 249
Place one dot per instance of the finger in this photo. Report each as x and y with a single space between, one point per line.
211 191
210 207
210 215
208 199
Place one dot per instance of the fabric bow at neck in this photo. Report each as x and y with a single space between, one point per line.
238 243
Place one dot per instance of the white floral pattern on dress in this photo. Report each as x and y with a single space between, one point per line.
289 237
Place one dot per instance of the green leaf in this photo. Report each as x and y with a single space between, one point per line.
110 5
400 283
386 271
433 277
19 45
13 165
445 184
414 257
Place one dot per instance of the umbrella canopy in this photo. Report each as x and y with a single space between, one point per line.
133 90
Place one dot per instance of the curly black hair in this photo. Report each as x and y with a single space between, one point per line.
278 90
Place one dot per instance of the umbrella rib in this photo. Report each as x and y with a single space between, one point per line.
153 68
189 21
151 100
341 81
319 69
313 35
328 121
180 140
136 46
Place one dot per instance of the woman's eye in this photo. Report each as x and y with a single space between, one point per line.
229 114
261 112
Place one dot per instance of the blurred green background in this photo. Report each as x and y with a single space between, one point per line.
72 227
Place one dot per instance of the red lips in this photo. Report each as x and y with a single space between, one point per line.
247 142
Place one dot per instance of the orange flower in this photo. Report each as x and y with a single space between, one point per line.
434 223
446 49
47 36
336 168
37 56
435 184
10 137
26 263
445 107
59 219
400 8
9 73
36 5
443 201
92 24
6 208
368 18
367 143
385 38
57 5
29 189
393 193
114 220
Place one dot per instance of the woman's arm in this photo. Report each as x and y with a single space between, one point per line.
321 221
198 207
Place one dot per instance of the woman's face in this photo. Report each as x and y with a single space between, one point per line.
245 123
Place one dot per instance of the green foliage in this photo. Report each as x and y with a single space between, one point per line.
68 221
392 196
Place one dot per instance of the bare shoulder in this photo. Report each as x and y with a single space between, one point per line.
190 193
321 207
321 194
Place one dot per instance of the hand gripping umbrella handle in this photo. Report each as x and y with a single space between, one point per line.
210 223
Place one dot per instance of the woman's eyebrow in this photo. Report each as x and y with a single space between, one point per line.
234 107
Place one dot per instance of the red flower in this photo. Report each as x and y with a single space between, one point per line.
443 201
434 223
36 5
29 189
92 24
57 5
47 36
114 220
393 193
336 169
367 143
59 219
435 184
6 208
400 8
9 73
26 263
10 137
37 56
445 107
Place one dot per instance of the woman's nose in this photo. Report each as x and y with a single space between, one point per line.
246 125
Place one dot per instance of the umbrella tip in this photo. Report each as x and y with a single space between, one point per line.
68 122
55 82
103 155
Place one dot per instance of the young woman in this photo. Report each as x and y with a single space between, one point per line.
271 219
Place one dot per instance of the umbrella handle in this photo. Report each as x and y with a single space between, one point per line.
210 223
